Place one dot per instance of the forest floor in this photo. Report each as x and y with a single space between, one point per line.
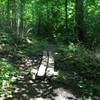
25 88
77 65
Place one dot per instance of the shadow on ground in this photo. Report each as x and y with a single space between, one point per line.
27 89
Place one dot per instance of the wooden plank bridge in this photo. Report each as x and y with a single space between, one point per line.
46 67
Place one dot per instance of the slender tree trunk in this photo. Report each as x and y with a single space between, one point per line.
39 21
8 13
79 28
34 10
21 17
39 25
13 20
47 20
18 17
66 16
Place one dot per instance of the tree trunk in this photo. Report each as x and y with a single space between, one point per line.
8 13
13 16
79 18
21 17
18 17
47 21
39 25
66 17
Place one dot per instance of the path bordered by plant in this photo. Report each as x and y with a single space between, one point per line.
37 86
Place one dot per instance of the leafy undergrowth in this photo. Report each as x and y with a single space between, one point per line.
10 43
80 68
14 52
7 76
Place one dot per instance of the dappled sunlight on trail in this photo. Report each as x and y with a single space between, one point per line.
27 89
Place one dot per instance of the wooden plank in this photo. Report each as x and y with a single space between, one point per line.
34 69
50 69
43 66
34 72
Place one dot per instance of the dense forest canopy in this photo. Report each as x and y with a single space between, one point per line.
70 20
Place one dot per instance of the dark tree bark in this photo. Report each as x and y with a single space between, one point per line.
47 31
22 11
8 12
13 15
18 17
79 18
66 17
39 26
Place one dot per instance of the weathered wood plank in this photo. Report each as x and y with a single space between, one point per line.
43 66
50 69
34 72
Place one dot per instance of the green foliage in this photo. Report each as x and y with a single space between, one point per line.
7 72
86 64
48 18
86 60
28 25
4 37
92 23
35 44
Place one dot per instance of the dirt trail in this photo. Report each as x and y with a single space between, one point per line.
25 88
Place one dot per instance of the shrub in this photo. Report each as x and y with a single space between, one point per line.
86 64
7 71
